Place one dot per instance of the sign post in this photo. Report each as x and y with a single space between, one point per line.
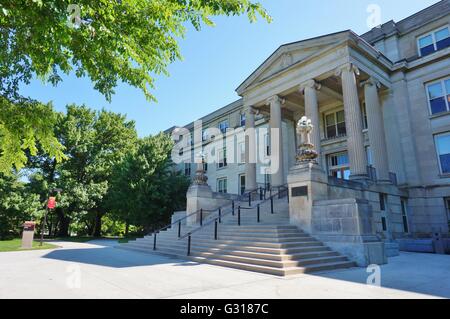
28 235
51 204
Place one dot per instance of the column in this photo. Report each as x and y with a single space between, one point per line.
376 129
276 141
250 150
353 121
309 89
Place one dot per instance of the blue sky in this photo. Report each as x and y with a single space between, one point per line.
216 60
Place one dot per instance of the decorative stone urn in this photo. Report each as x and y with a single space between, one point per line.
306 152
200 178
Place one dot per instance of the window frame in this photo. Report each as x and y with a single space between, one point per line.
224 164
437 151
224 181
334 113
227 126
444 90
433 36
242 119
341 167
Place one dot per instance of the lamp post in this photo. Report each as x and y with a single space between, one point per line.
50 205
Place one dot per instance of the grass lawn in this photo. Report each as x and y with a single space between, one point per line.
16 245
126 240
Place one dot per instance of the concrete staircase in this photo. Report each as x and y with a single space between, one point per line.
271 246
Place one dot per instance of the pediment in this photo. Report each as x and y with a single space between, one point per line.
290 54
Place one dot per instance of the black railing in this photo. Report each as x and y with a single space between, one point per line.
224 211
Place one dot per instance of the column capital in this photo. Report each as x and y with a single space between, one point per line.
250 109
275 99
312 84
371 82
349 67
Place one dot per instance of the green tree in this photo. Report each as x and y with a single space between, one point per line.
94 142
108 41
17 205
145 189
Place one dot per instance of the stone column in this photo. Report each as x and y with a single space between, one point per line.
309 89
353 121
250 150
276 141
376 129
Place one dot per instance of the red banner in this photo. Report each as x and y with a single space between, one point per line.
51 204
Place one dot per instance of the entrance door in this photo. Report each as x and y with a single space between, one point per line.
242 184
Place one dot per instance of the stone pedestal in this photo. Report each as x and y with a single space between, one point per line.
345 225
307 182
201 196
197 197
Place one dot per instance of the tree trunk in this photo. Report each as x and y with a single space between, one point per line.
98 225
64 223
127 229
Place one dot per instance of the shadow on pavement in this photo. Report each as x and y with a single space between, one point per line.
110 257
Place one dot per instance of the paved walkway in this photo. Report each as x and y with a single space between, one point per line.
97 270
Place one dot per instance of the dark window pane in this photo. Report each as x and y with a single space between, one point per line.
383 223
445 163
438 105
330 119
427 50
382 202
443 44
341 129
340 116
331 131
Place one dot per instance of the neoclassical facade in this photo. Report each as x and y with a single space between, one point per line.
380 105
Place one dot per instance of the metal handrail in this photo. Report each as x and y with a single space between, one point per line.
221 215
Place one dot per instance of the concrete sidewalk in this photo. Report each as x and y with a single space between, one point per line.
97 270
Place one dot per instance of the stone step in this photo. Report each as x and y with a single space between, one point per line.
267 250
300 248
254 238
300 242
273 270
270 263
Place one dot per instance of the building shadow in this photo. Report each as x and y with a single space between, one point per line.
426 274
109 256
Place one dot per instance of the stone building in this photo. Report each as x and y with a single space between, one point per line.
380 105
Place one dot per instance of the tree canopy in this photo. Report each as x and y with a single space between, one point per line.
107 41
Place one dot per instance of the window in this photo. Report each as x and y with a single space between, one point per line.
338 165
364 116
439 96
267 144
223 126
187 169
382 199
222 185
241 153
447 206
443 151
434 41
335 124
267 179
204 135
242 184
242 119
222 158
405 215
